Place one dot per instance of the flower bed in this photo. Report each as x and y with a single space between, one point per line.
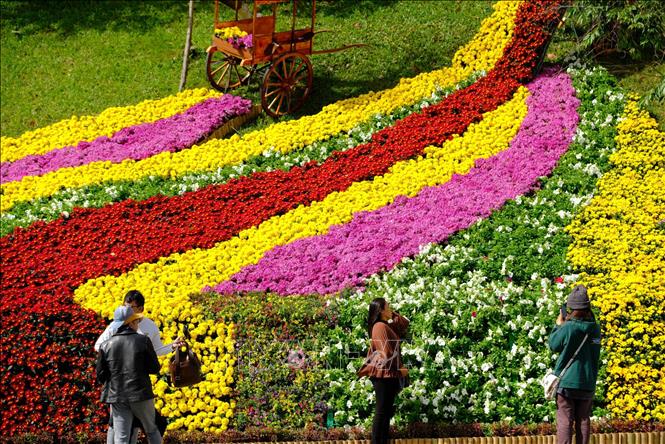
481 54
453 208
87 128
211 406
619 245
480 318
63 202
170 134
329 264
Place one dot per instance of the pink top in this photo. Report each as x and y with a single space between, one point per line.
383 357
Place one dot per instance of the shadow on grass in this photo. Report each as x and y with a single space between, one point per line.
68 17
330 87
345 8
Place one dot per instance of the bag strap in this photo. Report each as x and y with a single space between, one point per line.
573 357
179 359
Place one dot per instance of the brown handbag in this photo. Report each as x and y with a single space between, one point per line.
185 367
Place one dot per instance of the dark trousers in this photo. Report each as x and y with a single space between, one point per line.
386 390
570 410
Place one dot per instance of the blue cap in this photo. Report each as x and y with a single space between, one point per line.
120 315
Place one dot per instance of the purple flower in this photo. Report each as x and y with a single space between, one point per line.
378 240
135 142
241 42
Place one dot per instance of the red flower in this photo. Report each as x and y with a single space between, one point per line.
46 379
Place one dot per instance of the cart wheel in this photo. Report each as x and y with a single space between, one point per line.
286 84
224 71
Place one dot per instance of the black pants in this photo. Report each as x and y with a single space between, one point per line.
386 390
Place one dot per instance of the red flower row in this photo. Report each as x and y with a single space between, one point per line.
48 383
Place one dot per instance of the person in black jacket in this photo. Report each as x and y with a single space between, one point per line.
579 330
124 365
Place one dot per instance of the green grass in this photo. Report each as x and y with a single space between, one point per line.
79 57
640 77
641 80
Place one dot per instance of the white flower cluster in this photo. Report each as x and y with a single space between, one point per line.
478 343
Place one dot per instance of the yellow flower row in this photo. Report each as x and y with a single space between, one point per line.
171 280
207 405
481 53
619 243
86 128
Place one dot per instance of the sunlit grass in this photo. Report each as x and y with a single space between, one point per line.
81 57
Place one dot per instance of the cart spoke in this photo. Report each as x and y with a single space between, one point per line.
212 73
284 68
296 67
274 91
273 100
279 105
288 103
275 70
299 78
226 70
235 67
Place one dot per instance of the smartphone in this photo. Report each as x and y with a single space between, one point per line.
564 311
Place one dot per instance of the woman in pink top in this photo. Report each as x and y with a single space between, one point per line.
384 364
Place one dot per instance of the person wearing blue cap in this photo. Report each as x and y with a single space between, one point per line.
136 300
124 365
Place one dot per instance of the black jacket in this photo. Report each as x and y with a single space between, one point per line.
124 364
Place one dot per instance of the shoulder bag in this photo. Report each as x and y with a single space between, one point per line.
185 368
550 382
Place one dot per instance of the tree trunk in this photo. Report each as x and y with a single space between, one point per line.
188 44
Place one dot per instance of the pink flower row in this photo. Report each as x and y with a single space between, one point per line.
135 142
378 240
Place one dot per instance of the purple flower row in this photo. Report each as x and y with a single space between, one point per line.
378 240
137 142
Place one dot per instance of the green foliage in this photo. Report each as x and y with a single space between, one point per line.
278 380
632 27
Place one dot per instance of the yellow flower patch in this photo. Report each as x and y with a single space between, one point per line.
619 245
480 54
86 128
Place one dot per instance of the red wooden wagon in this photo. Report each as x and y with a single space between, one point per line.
282 56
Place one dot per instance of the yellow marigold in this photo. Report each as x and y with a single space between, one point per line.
86 128
618 242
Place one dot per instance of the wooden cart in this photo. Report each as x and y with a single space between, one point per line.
283 57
